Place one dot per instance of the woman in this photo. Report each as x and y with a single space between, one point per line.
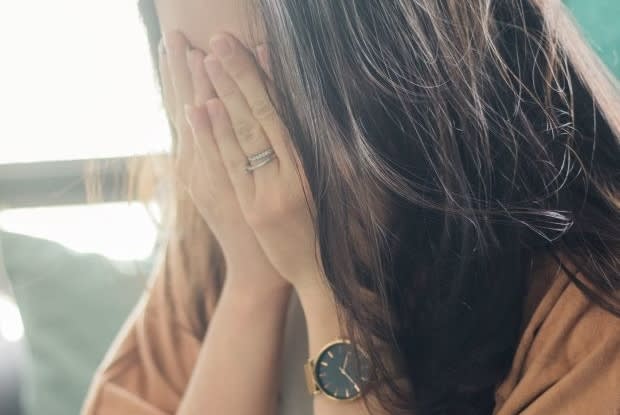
436 182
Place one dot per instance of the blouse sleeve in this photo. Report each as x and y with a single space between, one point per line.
150 363
568 359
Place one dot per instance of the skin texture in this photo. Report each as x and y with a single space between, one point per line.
224 132
254 298
227 115
199 169
243 122
199 20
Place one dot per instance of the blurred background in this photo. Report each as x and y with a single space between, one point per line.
77 86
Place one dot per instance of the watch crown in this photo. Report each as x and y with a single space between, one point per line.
313 388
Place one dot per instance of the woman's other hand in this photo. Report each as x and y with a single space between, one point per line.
244 122
200 171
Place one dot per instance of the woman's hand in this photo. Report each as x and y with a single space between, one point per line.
242 122
200 171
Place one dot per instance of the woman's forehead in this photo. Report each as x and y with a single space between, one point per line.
201 19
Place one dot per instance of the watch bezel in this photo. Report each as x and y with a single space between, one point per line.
315 369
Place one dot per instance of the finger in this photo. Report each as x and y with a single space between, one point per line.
233 157
242 69
185 154
262 54
213 170
262 57
176 46
166 83
248 130
200 123
203 89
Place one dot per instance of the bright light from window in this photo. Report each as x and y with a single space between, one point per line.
119 231
77 82
11 326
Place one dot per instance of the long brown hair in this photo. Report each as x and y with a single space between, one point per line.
487 129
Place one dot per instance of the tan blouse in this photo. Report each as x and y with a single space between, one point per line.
567 361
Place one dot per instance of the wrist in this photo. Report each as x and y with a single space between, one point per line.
315 294
256 294
319 306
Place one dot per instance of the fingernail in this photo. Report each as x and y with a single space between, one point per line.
221 46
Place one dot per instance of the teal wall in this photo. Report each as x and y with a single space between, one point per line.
600 22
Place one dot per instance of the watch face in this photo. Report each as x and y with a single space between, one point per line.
337 373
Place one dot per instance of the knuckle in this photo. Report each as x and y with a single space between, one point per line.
262 109
238 68
226 92
246 131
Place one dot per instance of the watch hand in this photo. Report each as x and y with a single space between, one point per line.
344 365
349 377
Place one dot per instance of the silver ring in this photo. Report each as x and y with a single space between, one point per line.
261 155
265 160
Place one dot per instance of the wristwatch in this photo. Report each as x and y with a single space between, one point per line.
335 373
